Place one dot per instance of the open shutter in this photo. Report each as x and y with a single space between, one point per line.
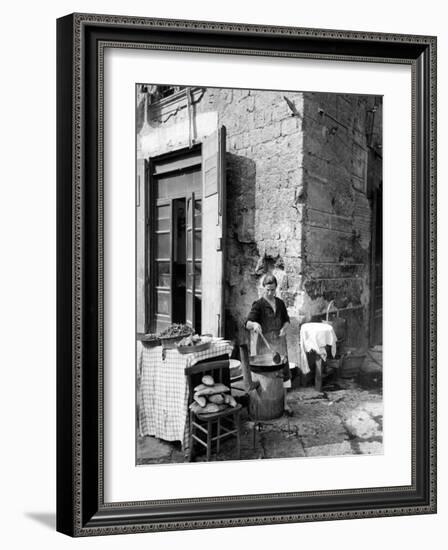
140 244
190 256
213 232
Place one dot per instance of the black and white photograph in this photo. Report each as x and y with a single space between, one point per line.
258 261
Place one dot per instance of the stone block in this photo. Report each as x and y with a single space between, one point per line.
289 161
270 132
259 118
262 99
289 126
280 111
324 245
294 247
341 223
256 135
292 143
317 218
327 170
318 196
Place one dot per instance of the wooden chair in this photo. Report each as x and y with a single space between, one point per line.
210 428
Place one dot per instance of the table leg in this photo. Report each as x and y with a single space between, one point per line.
318 377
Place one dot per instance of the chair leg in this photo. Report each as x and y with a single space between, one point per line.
218 433
209 440
236 417
190 439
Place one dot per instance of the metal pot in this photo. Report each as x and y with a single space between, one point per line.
264 382
265 363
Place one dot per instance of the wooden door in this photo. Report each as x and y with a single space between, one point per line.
213 232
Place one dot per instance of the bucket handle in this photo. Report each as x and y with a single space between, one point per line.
328 310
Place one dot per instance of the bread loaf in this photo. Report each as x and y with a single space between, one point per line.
210 390
207 380
217 398
200 400
210 408
230 400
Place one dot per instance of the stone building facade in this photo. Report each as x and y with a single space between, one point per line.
303 197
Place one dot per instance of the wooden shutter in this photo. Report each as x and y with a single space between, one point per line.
190 268
140 244
213 232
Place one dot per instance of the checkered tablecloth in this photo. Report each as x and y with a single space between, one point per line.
163 410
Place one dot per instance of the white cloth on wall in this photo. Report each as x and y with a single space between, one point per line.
315 337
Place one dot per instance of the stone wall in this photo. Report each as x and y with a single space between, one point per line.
337 220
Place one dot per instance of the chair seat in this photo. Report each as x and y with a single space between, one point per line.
219 414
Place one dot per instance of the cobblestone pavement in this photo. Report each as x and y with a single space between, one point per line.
343 419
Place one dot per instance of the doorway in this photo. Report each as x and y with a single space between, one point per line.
174 236
185 206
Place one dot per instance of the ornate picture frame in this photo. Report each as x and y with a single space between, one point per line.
81 43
